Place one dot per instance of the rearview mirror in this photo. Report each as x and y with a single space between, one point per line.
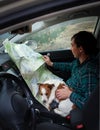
22 30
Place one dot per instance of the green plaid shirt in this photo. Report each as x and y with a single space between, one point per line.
83 80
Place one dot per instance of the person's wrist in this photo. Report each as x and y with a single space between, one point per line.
51 64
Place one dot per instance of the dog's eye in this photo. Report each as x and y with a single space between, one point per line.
46 93
41 94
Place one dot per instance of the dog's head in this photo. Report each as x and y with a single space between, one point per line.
44 91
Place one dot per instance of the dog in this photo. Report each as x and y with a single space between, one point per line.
47 92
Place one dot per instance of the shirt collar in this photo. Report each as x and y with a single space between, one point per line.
87 60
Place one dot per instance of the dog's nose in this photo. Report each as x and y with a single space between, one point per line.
44 101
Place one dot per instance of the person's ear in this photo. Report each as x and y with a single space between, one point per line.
81 49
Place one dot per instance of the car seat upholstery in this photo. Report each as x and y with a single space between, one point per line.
91 110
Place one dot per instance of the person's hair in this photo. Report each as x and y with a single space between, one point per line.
87 41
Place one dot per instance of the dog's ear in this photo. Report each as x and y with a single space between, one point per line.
39 84
39 87
51 86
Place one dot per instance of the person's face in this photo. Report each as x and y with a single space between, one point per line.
75 50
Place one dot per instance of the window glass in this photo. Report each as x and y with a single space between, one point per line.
4 36
58 36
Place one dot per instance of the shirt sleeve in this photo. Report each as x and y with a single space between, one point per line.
88 83
65 67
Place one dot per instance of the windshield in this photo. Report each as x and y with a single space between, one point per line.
5 36
46 36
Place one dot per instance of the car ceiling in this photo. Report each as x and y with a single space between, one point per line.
14 13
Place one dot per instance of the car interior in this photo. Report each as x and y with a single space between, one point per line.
40 25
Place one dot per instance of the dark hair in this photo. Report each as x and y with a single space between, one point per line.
87 41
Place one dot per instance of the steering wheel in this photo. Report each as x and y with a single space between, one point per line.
14 106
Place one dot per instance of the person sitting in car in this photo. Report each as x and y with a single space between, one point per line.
84 70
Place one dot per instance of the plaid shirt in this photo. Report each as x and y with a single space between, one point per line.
83 80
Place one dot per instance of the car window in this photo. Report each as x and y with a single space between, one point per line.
58 36
5 36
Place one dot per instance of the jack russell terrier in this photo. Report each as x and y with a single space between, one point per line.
47 92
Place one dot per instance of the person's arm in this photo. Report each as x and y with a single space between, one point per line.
62 66
58 65
47 60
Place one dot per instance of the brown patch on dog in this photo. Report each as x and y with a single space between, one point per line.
74 106
47 87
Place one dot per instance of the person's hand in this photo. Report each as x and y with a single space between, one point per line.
63 93
47 60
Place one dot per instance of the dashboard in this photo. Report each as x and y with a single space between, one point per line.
4 61
8 66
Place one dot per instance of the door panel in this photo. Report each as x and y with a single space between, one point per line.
60 55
